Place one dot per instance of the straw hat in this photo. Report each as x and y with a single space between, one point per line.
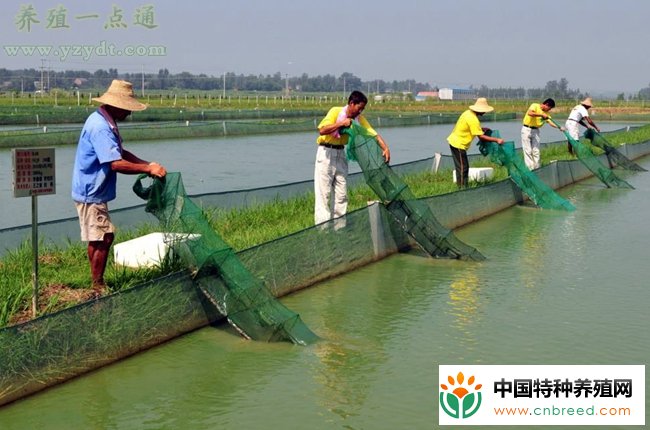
120 94
587 102
481 106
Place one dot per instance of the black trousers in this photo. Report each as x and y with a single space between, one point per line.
462 166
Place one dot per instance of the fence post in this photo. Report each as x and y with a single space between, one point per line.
376 228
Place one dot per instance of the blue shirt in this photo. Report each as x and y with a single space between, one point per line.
93 180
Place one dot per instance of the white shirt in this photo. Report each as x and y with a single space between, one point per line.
578 112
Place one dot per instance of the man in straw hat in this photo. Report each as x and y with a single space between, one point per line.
100 156
579 115
460 139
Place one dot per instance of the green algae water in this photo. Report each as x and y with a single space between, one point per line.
556 288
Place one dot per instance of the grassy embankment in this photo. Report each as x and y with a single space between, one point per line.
64 274
197 114
235 100
201 106
184 115
274 122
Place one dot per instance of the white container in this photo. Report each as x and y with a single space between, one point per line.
478 174
149 250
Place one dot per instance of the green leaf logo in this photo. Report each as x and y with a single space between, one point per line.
458 401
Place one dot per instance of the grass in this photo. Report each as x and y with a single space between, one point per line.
64 269
210 106
64 277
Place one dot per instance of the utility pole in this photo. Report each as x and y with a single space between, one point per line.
224 85
286 84
42 63
143 80
286 79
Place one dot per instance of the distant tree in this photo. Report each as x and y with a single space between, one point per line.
351 82
103 78
185 80
644 93
560 90
163 77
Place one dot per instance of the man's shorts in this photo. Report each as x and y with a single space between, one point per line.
94 221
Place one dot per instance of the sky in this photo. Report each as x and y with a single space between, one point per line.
599 46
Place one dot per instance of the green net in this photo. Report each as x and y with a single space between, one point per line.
587 158
243 299
413 215
613 155
505 155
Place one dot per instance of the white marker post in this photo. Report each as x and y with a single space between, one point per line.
34 175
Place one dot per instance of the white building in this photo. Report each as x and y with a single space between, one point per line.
457 93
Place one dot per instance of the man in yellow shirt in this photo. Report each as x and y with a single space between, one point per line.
460 139
534 119
331 168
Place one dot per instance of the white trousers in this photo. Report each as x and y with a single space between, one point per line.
573 128
331 171
530 147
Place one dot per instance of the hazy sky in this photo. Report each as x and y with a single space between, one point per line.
598 45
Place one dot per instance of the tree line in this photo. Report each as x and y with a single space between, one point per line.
557 89
29 80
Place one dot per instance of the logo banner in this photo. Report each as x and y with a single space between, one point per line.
541 395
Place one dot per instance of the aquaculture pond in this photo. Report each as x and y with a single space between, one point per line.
556 288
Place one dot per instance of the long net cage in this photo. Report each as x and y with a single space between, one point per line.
414 216
242 298
614 156
592 163
48 130
505 155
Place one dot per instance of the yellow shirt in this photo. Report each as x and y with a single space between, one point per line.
534 121
467 126
331 118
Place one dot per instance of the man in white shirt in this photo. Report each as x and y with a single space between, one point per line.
579 115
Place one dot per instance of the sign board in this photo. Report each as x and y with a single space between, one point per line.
34 172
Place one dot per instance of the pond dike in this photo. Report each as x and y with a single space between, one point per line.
60 346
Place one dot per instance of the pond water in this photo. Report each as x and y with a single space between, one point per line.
233 163
556 288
